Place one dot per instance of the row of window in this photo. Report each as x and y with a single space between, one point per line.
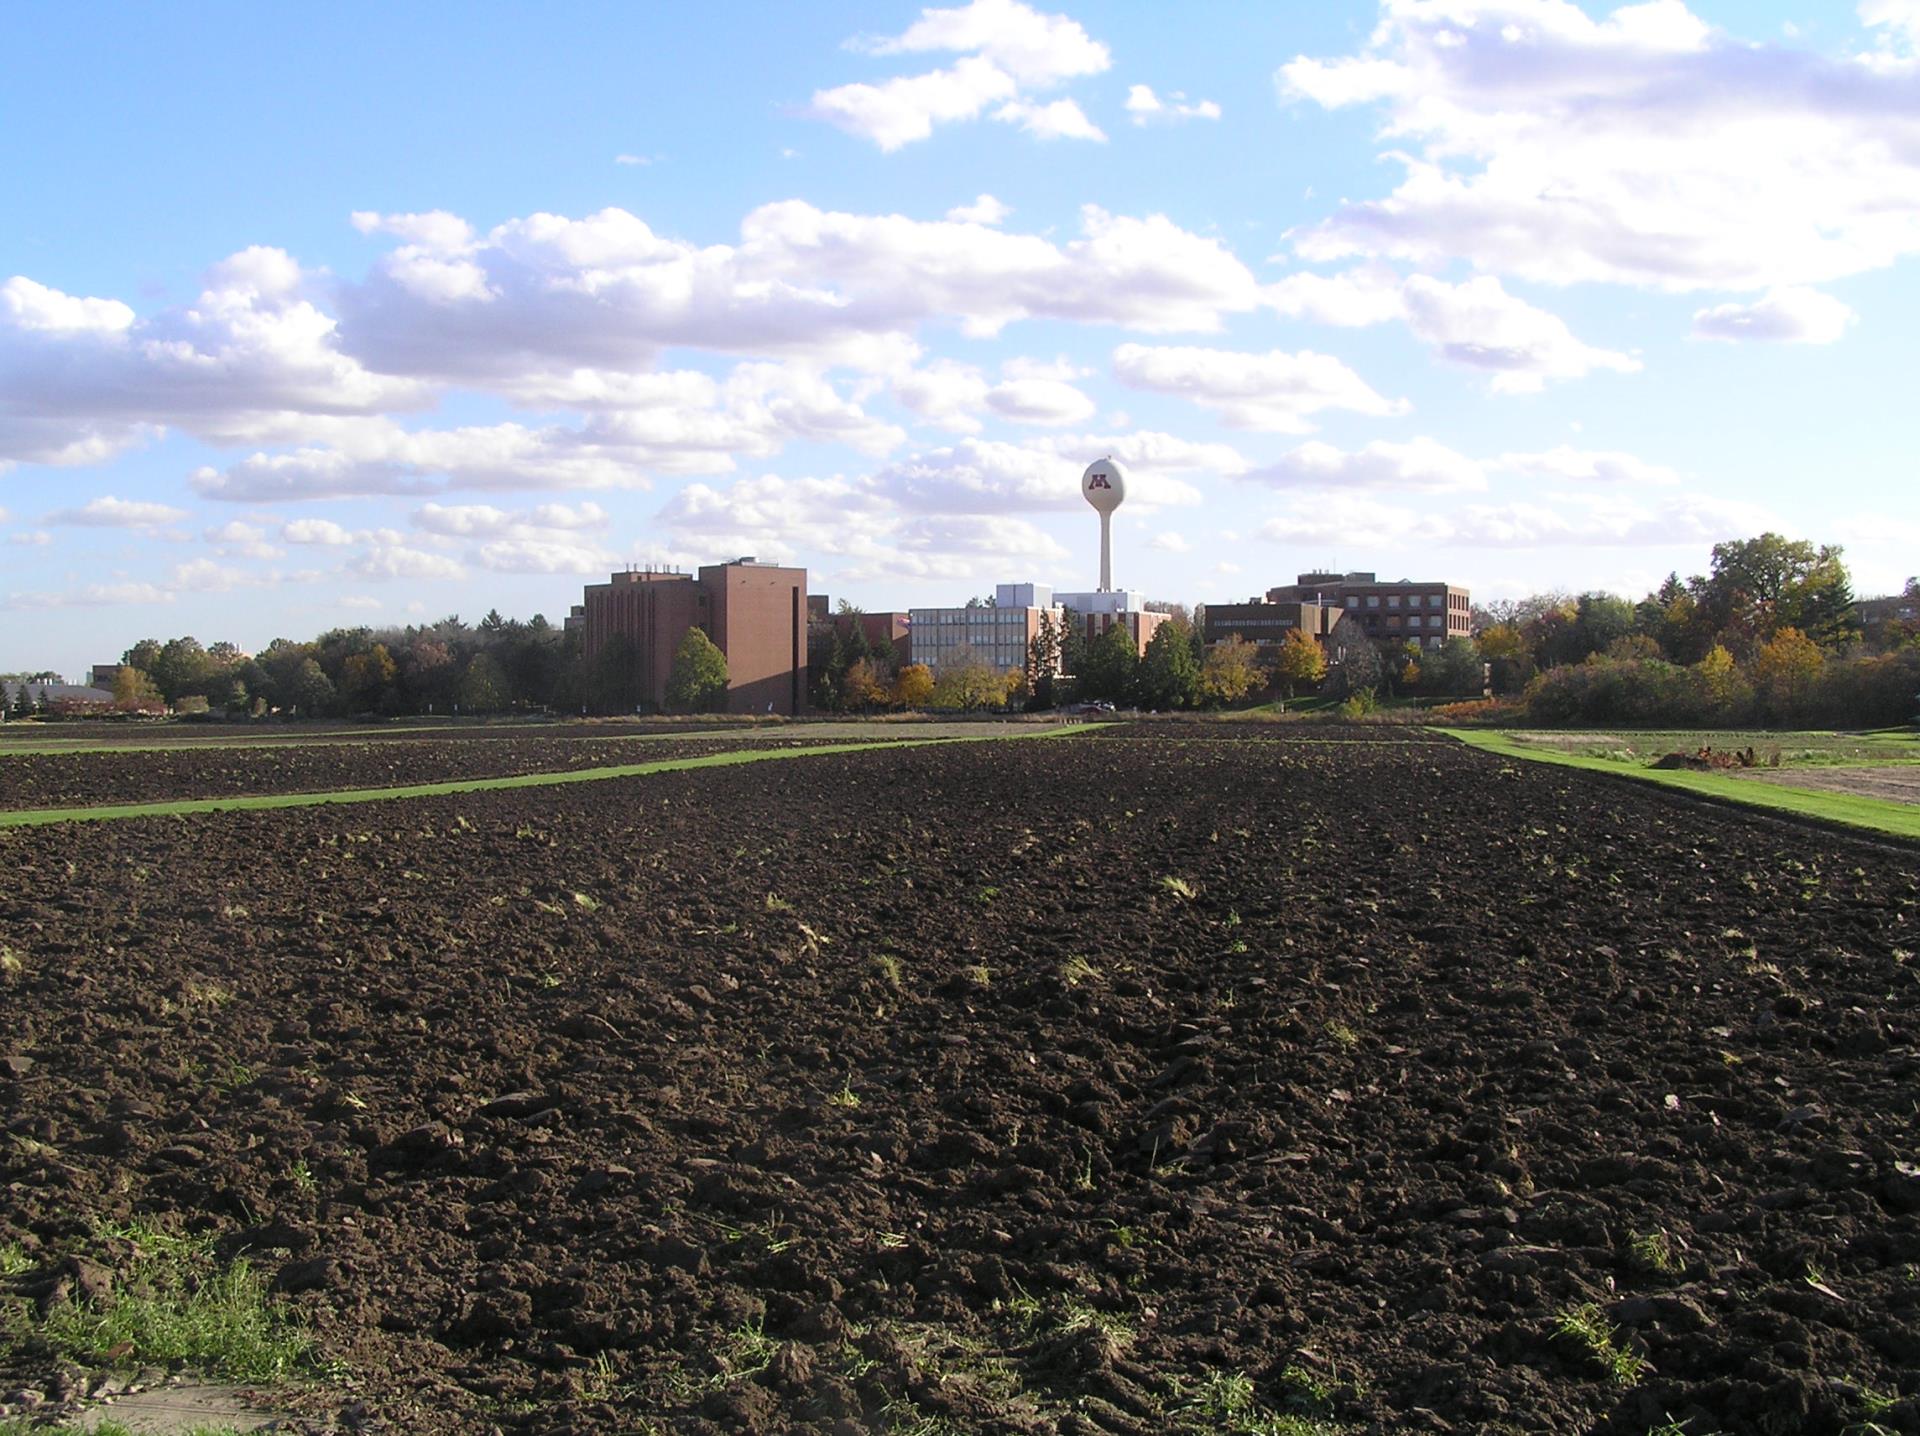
1413 621
1393 600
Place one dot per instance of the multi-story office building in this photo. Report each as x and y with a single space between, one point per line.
1258 621
1002 632
1427 612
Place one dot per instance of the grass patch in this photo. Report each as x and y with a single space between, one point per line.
846 1097
187 807
1587 1327
1076 970
172 1303
1653 1251
1225 1403
1795 748
1875 814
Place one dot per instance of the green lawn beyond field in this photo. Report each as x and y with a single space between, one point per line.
1626 755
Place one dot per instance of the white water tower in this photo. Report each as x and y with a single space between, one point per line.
1104 486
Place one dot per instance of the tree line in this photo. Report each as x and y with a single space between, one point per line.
450 666
1771 635
850 673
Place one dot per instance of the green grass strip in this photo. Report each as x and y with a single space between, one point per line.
1879 815
187 807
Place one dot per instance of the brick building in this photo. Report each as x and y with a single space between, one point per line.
755 613
1428 612
1258 621
891 631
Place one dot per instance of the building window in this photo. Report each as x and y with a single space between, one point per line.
1393 601
1433 600
1352 602
1373 600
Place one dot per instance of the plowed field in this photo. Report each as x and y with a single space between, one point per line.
1096 1084
54 780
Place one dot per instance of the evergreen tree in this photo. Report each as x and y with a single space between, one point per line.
1043 662
311 691
1073 643
1169 676
613 684
1112 666
483 687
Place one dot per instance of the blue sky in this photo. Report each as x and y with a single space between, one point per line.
314 316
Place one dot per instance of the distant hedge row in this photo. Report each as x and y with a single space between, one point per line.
1797 687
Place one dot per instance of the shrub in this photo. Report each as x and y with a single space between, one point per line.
1480 710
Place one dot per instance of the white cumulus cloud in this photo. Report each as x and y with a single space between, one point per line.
1149 450
1590 520
984 210
1791 314
1588 466
96 595
1038 393
1054 120
1476 324
1480 325
548 553
384 558
660 424
1147 108
1275 391
324 532
1643 147
944 393
558 307
110 512
239 539
984 476
1007 51
252 357
1420 465
486 521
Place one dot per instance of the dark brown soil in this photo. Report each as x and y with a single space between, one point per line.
1281 730
59 780
140 733
865 1091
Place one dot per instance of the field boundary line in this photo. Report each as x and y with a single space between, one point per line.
193 807
1844 811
